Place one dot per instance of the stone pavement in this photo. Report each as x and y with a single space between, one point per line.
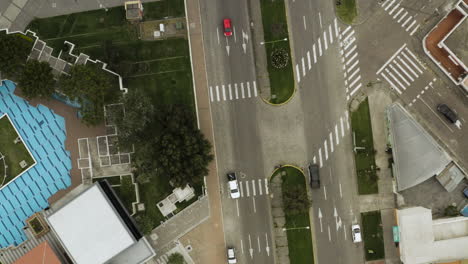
259 51
211 230
379 99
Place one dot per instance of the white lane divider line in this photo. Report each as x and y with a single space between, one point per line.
331 142
224 92
320 47
298 74
330 33
325 192
320 157
314 160
342 127
303 67
230 92
315 54
337 138
308 60
217 93
255 88
248 90
237 205
254 191
326 149
325 40
241 189
242 90
305 25
237 91
260 186
320 20
247 189
336 28
211 93
266 186
254 206
347 119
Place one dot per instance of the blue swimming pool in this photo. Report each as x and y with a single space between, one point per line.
44 134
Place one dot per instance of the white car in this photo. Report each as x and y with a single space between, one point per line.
356 231
231 255
233 185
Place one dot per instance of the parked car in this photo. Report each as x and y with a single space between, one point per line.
465 192
356 233
314 176
233 185
449 114
231 255
227 27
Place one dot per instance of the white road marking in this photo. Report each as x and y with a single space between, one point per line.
325 39
350 51
411 25
347 119
260 186
235 37
303 67
320 47
308 60
211 93
254 206
241 189
348 44
414 30
237 205
355 89
266 186
230 92
237 91
412 63
320 157
267 248
248 90
438 116
217 34
355 81
391 58
388 6
298 74
352 66
315 54
399 11
330 33
391 83
329 234
395 79
337 138
414 56
217 93
403 16
224 93
406 21
326 149
305 25
394 8
344 231
346 30
314 160
258 240
320 20
325 192
336 27
399 75
242 247
255 88
331 142
354 73
407 66
351 59
250 247
254 190
403 70
242 90
342 127
341 192
247 188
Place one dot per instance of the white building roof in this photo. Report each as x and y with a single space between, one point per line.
423 240
90 229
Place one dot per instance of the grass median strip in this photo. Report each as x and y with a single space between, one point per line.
373 235
364 149
275 28
346 10
296 209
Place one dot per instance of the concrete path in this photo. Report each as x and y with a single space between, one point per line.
279 220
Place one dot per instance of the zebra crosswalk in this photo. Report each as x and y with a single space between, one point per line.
235 91
402 69
350 60
253 187
401 15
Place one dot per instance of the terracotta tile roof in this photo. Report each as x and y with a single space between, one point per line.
42 254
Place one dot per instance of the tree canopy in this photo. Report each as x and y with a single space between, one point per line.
167 141
14 51
37 80
92 87
176 258
295 200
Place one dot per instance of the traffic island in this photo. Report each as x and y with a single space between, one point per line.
278 51
373 235
290 197
364 153
346 10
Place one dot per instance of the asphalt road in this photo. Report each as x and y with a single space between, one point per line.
233 96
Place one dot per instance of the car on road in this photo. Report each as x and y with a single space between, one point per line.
233 185
227 27
314 176
449 114
356 233
465 192
231 255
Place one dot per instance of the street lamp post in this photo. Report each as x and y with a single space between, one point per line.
273 41
296 228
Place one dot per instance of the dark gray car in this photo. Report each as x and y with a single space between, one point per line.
314 176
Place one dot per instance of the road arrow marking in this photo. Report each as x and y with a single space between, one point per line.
250 247
267 247
320 219
338 224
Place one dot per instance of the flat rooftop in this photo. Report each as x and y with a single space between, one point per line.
457 42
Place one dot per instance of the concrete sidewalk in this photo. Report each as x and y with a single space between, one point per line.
211 231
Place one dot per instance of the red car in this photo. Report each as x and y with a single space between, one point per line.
227 27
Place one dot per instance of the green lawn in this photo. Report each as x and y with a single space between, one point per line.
347 10
126 192
299 240
275 28
161 68
365 158
373 235
13 153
